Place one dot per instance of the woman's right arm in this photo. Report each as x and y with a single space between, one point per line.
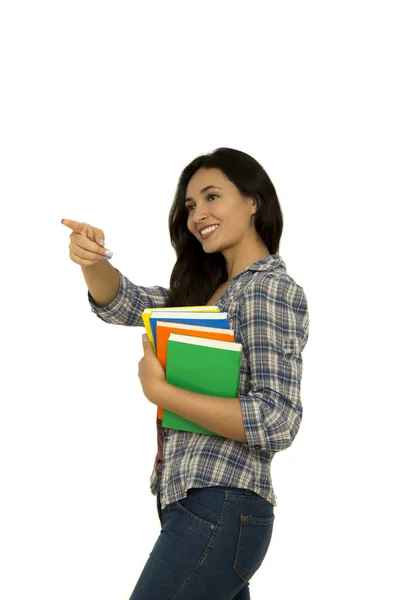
102 281
127 300
113 298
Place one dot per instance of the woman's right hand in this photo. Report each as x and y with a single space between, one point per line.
86 246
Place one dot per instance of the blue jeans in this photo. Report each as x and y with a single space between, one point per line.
211 543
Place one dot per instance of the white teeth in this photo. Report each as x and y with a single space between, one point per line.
205 231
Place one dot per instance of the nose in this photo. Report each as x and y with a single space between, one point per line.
199 213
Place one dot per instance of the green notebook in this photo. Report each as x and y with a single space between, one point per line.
201 365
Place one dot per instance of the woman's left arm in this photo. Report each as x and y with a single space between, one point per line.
274 331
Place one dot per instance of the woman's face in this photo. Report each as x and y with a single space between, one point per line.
220 205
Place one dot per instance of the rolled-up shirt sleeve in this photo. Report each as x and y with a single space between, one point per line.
273 330
129 303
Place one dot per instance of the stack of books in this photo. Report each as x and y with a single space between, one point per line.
197 350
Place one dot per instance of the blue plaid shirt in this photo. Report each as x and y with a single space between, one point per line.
269 315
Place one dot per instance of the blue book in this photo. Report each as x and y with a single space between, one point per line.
219 319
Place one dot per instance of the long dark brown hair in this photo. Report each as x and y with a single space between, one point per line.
196 274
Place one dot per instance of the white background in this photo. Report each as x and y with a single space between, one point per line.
102 106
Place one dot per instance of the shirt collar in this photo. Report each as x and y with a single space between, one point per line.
271 262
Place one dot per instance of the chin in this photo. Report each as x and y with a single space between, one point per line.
213 251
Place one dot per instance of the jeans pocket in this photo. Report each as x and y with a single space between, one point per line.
203 506
253 543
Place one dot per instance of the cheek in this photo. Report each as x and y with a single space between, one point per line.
190 226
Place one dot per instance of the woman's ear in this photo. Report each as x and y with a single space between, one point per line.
254 204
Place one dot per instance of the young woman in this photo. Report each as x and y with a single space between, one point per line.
215 497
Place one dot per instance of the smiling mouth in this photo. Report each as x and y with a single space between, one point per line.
207 235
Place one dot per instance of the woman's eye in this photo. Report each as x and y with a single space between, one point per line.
190 205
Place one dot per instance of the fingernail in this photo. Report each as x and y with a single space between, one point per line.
108 253
101 242
107 257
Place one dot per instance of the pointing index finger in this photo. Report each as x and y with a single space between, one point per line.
74 225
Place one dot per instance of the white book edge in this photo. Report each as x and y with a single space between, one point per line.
182 308
186 315
185 339
187 327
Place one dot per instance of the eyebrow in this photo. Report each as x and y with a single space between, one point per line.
203 190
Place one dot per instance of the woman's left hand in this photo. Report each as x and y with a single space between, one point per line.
151 372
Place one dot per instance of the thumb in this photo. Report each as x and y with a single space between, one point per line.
147 346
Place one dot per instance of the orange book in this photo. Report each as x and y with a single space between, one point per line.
165 328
